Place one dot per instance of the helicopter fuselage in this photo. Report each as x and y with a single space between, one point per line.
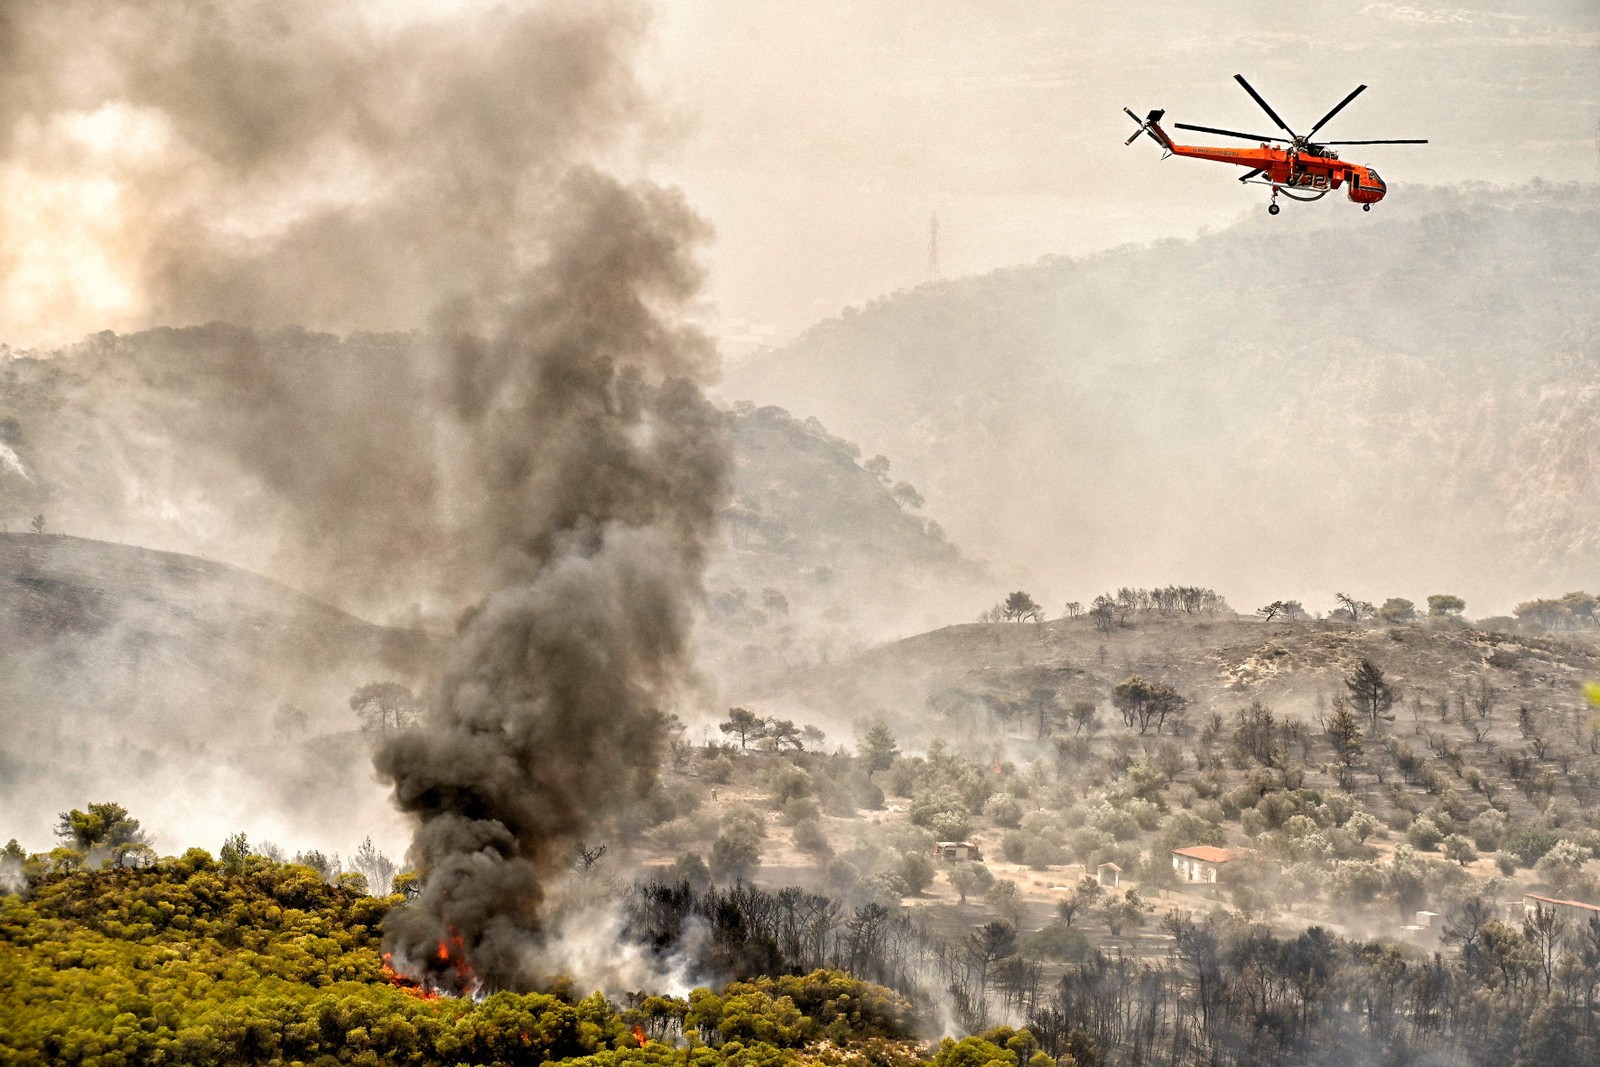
1291 170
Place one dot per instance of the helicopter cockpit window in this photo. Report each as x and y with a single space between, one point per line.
1374 175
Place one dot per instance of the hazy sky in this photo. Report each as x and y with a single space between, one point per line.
820 137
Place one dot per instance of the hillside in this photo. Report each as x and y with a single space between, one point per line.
162 677
57 586
143 669
820 559
1268 415
987 682
147 439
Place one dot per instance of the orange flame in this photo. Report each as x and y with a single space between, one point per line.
450 955
639 1036
401 982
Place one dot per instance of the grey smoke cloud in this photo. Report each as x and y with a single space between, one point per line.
541 448
299 162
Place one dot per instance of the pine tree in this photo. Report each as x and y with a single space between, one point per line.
1345 732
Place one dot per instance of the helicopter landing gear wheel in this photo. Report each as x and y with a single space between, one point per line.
1366 207
1273 209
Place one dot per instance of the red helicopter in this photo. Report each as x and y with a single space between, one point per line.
1303 167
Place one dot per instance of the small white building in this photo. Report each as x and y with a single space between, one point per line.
957 850
1109 875
1199 863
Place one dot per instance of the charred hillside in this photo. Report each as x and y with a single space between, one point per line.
1276 409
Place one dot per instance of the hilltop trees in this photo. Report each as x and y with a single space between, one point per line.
1020 605
745 724
1397 610
104 835
1352 610
782 734
1575 611
906 496
1111 610
378 868
1145 704
1445 606
778 734
1281 609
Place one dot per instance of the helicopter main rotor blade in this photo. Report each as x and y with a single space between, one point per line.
1407 141
1252 174
1337 108
1227 133
1264 105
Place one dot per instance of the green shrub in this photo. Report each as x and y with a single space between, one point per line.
1042 852
809 837
1424 834
718 769
951 825
735 856
1487 830
1057 942
1529 843
916 871
1004 809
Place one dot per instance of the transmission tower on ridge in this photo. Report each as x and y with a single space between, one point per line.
933 248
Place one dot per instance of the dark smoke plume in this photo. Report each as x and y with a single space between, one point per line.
607 466
542 449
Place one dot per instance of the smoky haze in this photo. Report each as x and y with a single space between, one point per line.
314 165
543 452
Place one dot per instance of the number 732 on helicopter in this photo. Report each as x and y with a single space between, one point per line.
1302 169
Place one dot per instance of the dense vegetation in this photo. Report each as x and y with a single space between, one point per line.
185 962
1421 765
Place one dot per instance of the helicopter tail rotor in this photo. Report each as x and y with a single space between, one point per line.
1150 124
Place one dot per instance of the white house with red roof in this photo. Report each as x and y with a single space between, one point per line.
1199 863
